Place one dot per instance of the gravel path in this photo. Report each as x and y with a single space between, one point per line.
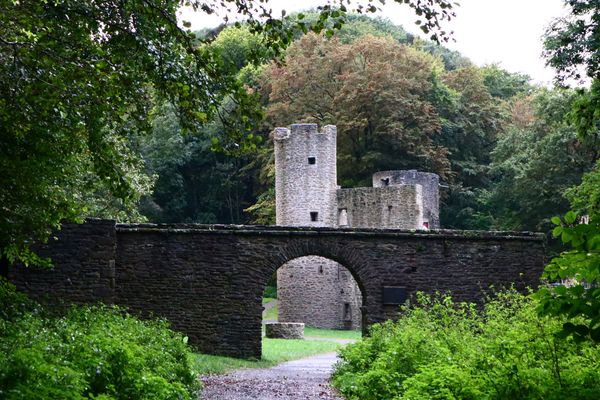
304 379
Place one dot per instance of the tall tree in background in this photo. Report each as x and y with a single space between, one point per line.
472 119
374 90
535 163
194 183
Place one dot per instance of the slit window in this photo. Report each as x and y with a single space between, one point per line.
314 216
312 160
347 313
343 217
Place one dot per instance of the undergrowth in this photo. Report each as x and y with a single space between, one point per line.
92 352
443 350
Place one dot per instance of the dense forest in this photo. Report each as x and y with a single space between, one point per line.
502 145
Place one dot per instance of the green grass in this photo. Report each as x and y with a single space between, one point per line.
331 333
274 351
272 314
266 300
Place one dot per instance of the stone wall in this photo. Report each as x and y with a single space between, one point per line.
84 266
208 280
430 193
397 207
319 292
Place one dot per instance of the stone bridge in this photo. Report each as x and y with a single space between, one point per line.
208 280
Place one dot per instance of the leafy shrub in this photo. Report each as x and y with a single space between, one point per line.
94 352
575 273
442 350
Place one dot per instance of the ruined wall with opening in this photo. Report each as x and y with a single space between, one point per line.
387 207
430 192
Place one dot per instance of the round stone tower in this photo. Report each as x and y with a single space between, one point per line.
306 174
430 192
313 290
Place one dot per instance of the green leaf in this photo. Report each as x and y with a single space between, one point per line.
557 231
570 217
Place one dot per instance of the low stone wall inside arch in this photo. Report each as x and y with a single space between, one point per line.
208 280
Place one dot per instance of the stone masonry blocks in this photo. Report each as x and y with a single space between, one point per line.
208 280
284 330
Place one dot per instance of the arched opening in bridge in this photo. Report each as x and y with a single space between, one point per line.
316 291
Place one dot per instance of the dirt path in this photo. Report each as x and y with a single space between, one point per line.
304 379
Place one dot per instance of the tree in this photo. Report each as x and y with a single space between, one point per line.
471 122
503 84
194 183
572 48
585 198
77 78
374 90
572 45
535 163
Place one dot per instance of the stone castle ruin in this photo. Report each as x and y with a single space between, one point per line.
315 290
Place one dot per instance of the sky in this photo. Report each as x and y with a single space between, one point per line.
504 32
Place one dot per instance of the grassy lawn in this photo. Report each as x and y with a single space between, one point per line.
272 314
266 300
274 351
331 333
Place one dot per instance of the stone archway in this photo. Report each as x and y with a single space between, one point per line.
208 280
320 293
348 257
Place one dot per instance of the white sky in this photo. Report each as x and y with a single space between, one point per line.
507 32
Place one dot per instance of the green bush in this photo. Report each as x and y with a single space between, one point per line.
94 352
443 350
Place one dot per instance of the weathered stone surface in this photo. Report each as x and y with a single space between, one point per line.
430 190
208 280
84 266
306 181
398 207
284 330
319 292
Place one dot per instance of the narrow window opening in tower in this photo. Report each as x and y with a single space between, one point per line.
312 160
343 217
314 216
320 269
385 181
347 314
